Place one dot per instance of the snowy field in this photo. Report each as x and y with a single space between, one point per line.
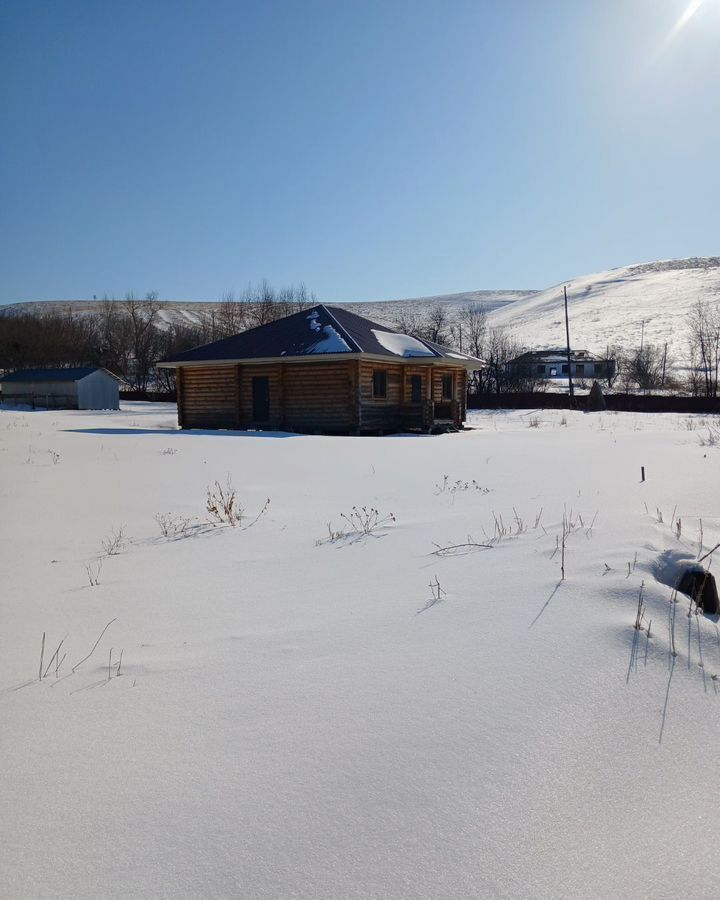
294 717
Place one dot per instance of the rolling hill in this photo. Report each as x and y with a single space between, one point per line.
650 301
622 306
386 311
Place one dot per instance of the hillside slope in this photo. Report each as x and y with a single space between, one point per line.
191 312
611 307
620 306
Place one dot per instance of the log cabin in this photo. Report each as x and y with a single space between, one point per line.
323 370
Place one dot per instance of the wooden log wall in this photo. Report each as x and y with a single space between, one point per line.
208 397
334 396
381 413
320 397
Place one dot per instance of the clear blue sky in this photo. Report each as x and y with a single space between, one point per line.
370 149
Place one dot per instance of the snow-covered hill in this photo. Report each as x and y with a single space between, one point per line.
619 306
390 310
191 312
616 306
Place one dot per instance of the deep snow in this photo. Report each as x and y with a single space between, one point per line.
288 724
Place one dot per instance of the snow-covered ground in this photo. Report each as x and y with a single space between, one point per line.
293 716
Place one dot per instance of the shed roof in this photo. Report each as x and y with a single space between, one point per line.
76 374
315 331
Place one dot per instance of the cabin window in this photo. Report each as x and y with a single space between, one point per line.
447 387
553 372
379 384
541 369
579 368
565 369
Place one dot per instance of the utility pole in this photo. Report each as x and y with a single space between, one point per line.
567 335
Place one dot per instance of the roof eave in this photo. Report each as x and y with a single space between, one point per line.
470 364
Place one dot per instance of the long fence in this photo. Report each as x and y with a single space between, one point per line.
647 403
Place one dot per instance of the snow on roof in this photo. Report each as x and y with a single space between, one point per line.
460 355
330 342
402 344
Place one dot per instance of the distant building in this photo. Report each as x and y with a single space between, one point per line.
547 364
89 387
322 370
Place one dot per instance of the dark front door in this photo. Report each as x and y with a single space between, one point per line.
261 398
416 388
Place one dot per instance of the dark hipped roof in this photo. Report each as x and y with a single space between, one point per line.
316 331
76 374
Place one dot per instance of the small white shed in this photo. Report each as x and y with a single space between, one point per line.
89 387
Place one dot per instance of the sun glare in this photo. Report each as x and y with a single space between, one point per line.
689 13
693 7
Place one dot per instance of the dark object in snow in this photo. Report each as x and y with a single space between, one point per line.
699 584
596 400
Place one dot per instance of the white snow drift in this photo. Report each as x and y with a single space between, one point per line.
295 716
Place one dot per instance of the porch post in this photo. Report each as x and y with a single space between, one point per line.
238 381
282 396
429 401
179 395
356 395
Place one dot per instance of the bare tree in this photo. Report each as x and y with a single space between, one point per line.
437 324
55 338
704 325
473 321
143 316
408 321
499 349
232 316
615 360
645 367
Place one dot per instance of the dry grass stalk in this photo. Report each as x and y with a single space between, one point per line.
93 573
640 614
115 543
86 658
222 504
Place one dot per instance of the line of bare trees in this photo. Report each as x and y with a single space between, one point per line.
470 332
650 367
130 336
